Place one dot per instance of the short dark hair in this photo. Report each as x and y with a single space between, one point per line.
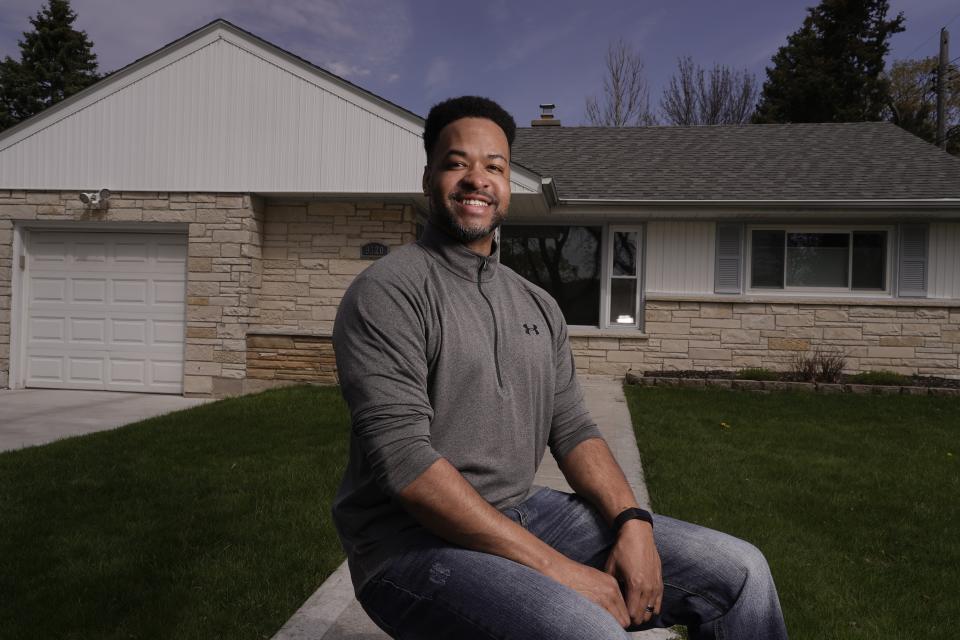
453 109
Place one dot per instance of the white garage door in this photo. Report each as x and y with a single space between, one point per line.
106 311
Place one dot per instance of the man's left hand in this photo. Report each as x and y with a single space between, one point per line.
635 563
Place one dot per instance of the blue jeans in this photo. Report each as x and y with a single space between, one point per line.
715 584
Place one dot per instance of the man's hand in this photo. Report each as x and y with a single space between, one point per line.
635 563
597 586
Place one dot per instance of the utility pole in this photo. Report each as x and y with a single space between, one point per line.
942 88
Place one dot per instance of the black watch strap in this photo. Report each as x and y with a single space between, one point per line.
633 513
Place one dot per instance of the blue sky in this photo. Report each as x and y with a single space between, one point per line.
521 53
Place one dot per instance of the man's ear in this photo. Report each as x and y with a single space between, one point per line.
426 179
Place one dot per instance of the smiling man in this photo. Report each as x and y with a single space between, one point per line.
459 375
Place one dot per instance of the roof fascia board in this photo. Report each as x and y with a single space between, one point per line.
525 178
639 205
796 212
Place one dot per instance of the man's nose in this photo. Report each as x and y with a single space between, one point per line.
475 178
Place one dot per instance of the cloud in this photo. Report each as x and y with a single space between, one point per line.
371 34
346 70
438 73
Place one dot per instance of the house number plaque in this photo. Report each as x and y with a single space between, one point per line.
374 250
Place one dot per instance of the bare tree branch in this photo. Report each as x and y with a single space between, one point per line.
625 100
721 95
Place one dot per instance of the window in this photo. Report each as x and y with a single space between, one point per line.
624 278
822 259
564 260
593 273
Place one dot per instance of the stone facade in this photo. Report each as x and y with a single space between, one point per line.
223 267
265 277
311 253
908 338
278 358
253 268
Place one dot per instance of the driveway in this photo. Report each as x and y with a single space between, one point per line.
30 417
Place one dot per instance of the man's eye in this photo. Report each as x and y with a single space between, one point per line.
497 168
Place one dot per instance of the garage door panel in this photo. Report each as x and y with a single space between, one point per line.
167 372
89 252
171 253
45 369
106 311
93 290
48 290
88 330
47 330
127 371
166 332
136 252
45 252
129 292
85 370
130 332
169 292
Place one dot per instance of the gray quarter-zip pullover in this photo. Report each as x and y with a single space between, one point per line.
445 353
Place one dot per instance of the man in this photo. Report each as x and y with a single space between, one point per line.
453 403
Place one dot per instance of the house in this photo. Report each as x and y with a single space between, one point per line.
247 188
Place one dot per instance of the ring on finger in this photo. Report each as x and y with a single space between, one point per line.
649 608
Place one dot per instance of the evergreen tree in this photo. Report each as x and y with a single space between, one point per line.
56 61
831 68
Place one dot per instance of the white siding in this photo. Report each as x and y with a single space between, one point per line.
944 260
222 111
680 257
220 119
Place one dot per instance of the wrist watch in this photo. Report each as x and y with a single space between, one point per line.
633 513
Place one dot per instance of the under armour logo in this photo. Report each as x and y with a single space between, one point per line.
531 328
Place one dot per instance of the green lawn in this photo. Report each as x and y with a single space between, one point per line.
853 499
207 523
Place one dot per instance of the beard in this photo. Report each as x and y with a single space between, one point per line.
442 216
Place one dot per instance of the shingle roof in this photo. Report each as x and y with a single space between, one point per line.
849 161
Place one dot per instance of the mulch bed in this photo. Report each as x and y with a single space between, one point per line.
915 381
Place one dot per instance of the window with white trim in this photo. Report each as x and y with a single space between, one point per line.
594 273
623 273
827 259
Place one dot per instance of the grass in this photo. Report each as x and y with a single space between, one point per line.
853 499
206 523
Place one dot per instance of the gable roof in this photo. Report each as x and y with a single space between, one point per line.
789 162
222 110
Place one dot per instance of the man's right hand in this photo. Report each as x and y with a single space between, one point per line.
597 586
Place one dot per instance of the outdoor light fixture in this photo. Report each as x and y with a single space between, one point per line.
95 199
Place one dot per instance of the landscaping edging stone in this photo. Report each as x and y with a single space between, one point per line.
777 385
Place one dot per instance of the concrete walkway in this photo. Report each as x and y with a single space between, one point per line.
332 613
30 417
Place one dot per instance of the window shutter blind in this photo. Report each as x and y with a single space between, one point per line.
912 279
729 256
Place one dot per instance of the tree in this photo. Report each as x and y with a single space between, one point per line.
913 100
696 96
56 61
830 69
626 96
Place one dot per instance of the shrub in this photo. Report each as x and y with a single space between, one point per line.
819 366
889 378
757 373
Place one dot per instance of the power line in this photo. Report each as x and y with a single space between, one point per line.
932 37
